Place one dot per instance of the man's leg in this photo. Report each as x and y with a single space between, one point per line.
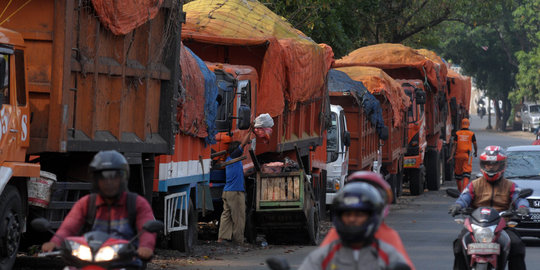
225 223
238 213
516 259
458 172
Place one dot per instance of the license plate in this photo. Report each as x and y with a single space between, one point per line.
483 248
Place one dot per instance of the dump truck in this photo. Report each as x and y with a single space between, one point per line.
405 63
264 65
181 182
73 84
393 103
353 138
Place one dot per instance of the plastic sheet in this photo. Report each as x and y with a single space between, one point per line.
292 68
121 17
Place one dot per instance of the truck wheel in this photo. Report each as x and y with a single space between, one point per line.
433 169
393 185
399 183
416 180
313 226
11 224
251 227
184 241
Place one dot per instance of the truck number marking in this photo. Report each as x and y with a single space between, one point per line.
24 126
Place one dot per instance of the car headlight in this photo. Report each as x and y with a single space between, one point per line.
483 234
108 253
82 252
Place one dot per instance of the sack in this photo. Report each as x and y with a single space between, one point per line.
264 121
263 134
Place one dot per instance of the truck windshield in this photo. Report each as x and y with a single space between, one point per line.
4 78
535 109
332 137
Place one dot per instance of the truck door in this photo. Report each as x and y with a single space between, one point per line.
14 120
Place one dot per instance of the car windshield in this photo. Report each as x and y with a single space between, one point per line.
535 109
524 164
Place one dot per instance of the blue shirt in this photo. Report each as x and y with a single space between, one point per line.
234 172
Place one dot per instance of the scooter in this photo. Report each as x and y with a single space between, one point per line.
486 245
97 250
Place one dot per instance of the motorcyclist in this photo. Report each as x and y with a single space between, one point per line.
110 173
384 233
492 190
357 213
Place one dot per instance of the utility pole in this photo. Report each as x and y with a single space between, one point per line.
489 115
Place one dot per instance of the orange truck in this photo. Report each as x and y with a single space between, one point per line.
264 65
74 83
393 103
404 63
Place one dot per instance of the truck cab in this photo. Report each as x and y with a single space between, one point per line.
416 135
337 149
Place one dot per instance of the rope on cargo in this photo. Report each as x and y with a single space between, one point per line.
13 12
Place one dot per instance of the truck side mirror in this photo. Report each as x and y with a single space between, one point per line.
244 117
420 97
347 139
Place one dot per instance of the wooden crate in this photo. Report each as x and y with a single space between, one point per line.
280 190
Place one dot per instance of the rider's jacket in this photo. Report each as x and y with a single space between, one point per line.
464 139
111 219
376 256
384 234
498 195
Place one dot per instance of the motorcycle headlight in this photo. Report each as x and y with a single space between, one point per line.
80 251
483 234
108 253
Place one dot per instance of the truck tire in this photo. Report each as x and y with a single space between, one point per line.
314 231
399 183
416 180
393 185
11 225
184 241
250 231
433 169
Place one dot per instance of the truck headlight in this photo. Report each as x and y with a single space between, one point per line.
483 234
333 184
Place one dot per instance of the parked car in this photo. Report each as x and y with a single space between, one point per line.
524 169
530 116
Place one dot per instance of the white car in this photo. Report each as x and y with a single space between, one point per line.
530 116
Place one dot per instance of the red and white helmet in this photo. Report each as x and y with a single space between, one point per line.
493 163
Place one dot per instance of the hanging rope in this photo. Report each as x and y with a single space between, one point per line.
21 7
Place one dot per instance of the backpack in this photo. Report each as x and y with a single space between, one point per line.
131 201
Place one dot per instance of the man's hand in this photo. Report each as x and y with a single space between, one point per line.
145 253
454 209
48 247
523 211
475 155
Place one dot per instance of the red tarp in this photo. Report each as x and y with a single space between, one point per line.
378 82
293 68
396 56
460 88
121 17
191 103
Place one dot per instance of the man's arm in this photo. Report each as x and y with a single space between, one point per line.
475 146
144 214
466 197
514 193
453 151
71 225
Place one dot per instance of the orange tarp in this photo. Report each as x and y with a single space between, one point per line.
121 17
460 88
378 82
389 56
293 67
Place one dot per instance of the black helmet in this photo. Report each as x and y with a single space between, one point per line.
109 164
358 196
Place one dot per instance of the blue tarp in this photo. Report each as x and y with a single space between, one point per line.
210 95
339 81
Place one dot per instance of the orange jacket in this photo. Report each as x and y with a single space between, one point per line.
464 140
384 233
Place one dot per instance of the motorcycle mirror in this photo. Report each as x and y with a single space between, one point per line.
277 263
459 220
526 192
506 214
41 225
153 226
399 266
452 192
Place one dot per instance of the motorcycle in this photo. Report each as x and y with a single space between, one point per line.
97 250
275 263
486 245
